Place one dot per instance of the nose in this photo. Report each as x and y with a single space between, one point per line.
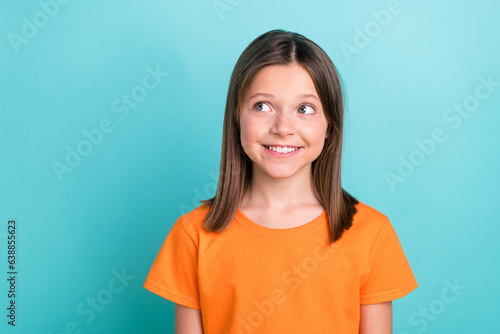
283 124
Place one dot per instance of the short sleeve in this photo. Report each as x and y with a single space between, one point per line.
174 272
390 276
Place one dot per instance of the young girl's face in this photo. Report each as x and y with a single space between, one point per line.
283 127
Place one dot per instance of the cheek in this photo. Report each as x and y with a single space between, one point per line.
243 132
317 134
245 136
317 139
248 132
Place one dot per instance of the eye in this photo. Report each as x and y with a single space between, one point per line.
306 109
261 106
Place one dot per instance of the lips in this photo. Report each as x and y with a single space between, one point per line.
282 149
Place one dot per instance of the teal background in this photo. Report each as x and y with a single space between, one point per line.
114 209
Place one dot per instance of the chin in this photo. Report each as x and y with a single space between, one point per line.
281 174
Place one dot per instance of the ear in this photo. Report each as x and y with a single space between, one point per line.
329 130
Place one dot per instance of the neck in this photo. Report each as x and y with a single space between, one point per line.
266 191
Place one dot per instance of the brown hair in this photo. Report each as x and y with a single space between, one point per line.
279 47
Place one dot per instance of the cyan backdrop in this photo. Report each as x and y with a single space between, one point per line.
110 128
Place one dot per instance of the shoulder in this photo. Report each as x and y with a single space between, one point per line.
369 220
370 230
364 211
192 221
195 215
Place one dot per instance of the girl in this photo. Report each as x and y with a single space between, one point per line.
282 248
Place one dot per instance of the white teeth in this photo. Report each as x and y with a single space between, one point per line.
280 149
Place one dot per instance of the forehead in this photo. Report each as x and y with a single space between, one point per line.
282 80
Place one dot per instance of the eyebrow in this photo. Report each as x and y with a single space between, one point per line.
271 95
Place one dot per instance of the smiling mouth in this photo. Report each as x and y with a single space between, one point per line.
282 149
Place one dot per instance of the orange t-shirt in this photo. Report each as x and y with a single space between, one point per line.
255 279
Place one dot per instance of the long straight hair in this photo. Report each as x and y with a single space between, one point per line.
280 47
